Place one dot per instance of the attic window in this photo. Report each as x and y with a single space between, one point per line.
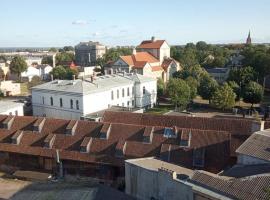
185 139
169 133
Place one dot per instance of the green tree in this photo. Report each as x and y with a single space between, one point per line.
242 76
179 92
36 80
207 87
253 93
193 85
52 49
64 58
195 71
47 60
18 65
160 87
59 72
70 73
223 97
236 89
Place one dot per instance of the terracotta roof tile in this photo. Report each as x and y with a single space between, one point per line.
149 44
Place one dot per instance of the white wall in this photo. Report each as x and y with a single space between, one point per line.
17 110
149 98
14 88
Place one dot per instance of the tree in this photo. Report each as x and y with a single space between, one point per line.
193 85
179 92
207 87
160 87
223 97
253 93
18 65
47 60
68 48
202 46
64 58
58 72
3 58
242 76
70 73
195 71
236 89
53 49
2 74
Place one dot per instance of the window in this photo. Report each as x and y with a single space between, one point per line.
77 105
128 91
123 104
61 102
143 89
43 100
132 102
51 101
128 103
169 133
117 94
71 103
198 157
133 90
112 95
123 92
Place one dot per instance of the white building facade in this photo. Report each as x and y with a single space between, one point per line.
11 108
72 99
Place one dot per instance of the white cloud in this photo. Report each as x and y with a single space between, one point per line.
80 22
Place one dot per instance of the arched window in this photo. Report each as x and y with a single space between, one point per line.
123 92
51 101
71 103
112 95
77 105
128 91
61 102
117 94
143 89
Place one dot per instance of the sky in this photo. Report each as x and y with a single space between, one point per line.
57 23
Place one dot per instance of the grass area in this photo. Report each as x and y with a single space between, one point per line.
24 89
160 109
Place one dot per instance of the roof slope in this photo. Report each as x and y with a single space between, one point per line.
149 44
139 58
257 145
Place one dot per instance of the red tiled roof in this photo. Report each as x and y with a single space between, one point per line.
157 68
139 58
149 44
128 138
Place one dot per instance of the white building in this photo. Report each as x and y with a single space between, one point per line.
40 70
11 108
72 99
10 88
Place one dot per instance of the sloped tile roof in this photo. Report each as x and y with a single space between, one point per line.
149 44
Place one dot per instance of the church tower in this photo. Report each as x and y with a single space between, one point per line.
248 38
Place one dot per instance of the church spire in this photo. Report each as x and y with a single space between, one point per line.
248 38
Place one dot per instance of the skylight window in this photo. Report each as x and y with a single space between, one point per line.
169 133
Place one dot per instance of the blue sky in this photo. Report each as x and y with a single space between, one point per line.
30 23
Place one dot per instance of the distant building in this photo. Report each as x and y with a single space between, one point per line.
8 107
42 71
248 41
9 88
219 74
151 58
87 53
72 99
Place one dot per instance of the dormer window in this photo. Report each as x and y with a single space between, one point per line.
169 133
185 139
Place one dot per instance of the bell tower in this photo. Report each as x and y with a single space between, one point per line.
248 38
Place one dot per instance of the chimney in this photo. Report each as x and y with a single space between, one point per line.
73 77
51 77
134 52
153 39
